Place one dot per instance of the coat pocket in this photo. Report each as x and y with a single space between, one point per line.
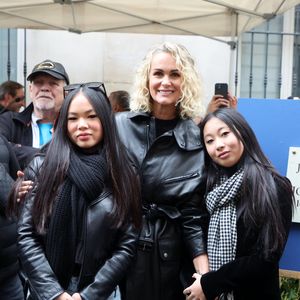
169 250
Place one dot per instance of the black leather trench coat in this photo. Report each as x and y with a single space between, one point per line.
108 251
170 167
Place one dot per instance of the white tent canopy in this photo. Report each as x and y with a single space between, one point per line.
191 17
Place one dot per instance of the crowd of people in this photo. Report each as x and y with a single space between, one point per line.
143 196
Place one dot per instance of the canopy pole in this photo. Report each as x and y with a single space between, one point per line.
234 48
236 76
25 62
8 55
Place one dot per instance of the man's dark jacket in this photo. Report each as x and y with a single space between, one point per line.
16 127
3 109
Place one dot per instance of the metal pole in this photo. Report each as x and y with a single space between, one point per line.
25 63
8 55
236 76
251 66
280 67
266 63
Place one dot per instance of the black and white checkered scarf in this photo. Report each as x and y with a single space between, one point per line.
222 232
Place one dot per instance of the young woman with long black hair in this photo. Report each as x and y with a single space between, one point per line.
250 206
78 228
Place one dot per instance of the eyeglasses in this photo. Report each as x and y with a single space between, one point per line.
98 86
19 99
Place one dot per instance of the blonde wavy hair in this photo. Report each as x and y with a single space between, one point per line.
190 104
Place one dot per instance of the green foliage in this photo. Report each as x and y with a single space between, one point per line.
290 289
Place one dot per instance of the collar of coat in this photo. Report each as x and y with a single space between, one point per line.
25 116
3 109
186 132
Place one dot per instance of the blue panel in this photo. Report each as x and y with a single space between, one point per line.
276 124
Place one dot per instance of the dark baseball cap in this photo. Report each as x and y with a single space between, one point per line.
50 67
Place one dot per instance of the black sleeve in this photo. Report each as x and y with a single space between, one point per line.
24 154
7 174
42 280
194 218
237 273
13 162
6 125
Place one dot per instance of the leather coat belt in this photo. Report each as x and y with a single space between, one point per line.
153 211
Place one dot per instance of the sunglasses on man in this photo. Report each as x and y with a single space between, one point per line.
19 99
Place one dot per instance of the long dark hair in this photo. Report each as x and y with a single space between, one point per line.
124 181
261 184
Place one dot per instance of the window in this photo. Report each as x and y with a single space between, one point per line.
296 65
8 54
261 60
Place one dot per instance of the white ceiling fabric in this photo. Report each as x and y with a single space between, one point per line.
192 17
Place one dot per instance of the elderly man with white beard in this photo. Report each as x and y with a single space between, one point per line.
29 130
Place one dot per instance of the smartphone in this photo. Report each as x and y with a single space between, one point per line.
221 89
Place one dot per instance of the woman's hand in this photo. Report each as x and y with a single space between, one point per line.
65 296
216 102
76 296
194 291
24 188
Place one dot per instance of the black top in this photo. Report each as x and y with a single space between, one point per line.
162 126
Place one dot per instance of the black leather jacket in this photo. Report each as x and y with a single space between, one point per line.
170 168
108 252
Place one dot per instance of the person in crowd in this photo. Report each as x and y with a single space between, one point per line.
10 283
164 142
218 101
79 225
32 128
250 207
119 101
12 96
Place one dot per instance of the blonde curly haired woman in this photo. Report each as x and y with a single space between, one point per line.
164 142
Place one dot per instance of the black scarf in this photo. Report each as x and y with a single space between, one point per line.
84 182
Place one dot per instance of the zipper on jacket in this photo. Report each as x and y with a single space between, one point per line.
84 247
103 195
148 138
183 177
